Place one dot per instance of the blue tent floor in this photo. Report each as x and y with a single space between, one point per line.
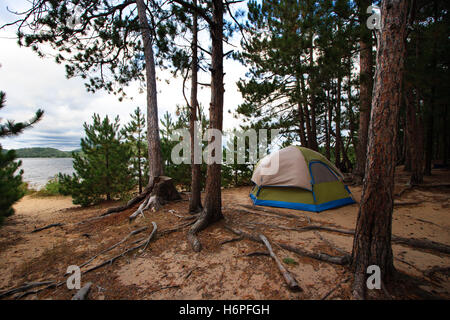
303 206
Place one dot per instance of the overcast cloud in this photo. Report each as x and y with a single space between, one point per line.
31 82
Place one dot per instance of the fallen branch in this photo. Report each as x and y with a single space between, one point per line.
335 288
290 280
406 203
48 227
24 287
257 253
83 292
342 260
111 260
231 240
155 228
115 245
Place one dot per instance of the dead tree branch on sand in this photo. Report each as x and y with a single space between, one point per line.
25 287
342 260
140 243
115 245
48 227
290 280
139 246
83 292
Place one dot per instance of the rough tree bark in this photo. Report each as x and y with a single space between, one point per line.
365 91
212 211
312 89
338 143
154 145
430 112
372 241
195 204
414 131
301 116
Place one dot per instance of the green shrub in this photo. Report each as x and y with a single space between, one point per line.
290 261
52 188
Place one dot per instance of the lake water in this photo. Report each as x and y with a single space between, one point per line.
37 171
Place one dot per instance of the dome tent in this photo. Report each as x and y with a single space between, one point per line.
299 178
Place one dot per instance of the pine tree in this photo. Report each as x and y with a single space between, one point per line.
10 180
135 136
102 166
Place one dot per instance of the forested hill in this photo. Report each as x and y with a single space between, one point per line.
42 153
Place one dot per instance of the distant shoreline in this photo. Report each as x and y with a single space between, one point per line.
43 153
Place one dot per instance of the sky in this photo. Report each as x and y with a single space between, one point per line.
31 82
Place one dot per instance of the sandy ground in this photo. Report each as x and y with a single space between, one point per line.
168 269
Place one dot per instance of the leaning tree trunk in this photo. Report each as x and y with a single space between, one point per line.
372 241
213 200
154 145
365 91
195 204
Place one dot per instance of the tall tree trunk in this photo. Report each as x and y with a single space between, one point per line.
139 159
304 105
301 116
372 240
154 146
365 91
338 144
414 132
431 109
213 198
330 120
312 89
195 204
351 116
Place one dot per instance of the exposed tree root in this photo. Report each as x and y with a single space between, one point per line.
163 288
204 219
282 214
163 191
423 185
412 242
257 253
115 245
329 243
290 280
335 288
25 287
358 288
48 227
432 271
231 240
83 292
130 203
143 244
342 260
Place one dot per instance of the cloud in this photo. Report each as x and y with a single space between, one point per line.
31 82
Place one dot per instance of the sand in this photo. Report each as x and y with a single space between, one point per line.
168 269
